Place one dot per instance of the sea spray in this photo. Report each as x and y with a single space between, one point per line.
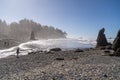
64 44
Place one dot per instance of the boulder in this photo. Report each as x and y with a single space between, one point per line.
107 51
34 52
78 50
29 53
56 49
101 39
105 75
109 47
59 59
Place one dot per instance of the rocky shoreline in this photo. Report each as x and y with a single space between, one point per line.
89 64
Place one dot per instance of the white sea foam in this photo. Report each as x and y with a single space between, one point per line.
46 45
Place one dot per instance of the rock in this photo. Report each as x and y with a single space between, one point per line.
56 49
78 50
62 65
49 52
106 51
116 42
102 48
118 34
92 48
105 54
101 39
117 53
53 79
29 53
116 45
32 36
46 51
109 47
112 54
118 50
59 59
34 52
105 76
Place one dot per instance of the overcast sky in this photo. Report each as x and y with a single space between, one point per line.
79 18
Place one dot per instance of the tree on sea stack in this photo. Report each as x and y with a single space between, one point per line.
32 36
101 39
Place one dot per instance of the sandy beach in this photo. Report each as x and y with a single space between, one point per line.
62 65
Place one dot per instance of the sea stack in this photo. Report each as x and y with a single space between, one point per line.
116 44
32 36
101 39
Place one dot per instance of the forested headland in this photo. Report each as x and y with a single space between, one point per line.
25 29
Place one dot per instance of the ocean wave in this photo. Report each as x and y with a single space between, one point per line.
46 45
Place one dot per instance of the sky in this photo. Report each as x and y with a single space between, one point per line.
79 18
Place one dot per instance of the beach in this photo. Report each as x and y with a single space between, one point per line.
88 64
60 40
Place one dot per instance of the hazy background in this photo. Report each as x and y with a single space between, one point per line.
79 18
26 30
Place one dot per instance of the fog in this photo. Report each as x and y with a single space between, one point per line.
25 29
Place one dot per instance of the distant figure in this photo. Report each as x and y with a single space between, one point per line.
6 44
17 52
101 39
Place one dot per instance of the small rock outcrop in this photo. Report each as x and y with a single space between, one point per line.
101 39
78 50
56 49
32 36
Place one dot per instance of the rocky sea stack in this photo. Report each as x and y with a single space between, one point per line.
101 39
116 44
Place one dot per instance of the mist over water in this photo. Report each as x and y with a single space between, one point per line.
27 35
45 45
53 43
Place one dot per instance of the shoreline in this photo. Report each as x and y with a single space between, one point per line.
27 51
62 65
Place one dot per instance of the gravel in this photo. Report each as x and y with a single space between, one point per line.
87 65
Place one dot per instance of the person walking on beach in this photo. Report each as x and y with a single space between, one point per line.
17 52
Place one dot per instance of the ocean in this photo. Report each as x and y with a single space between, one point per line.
45 45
